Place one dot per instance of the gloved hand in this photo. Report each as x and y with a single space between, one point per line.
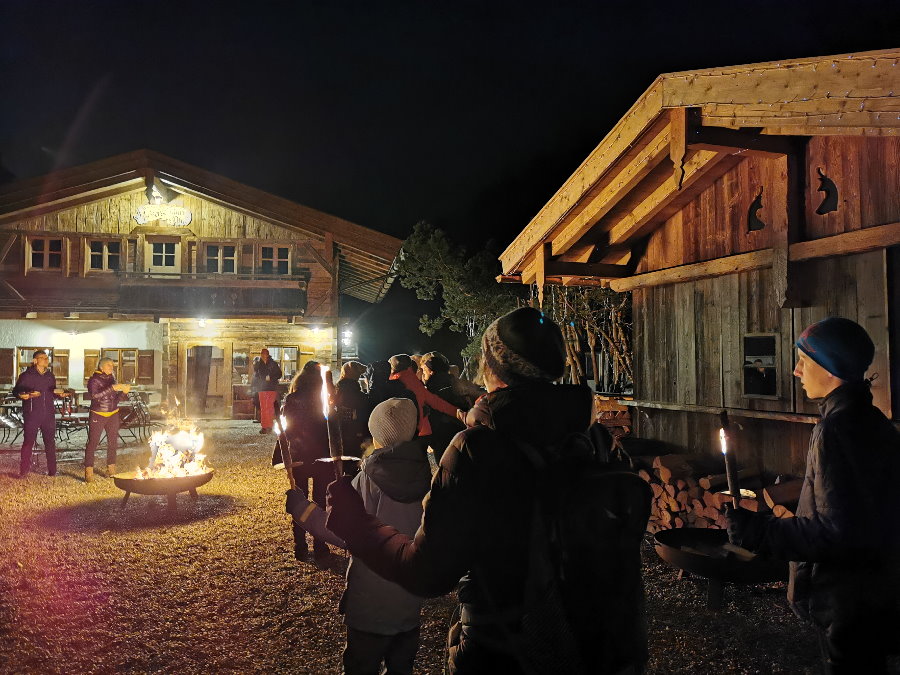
296 502
347 515
745 528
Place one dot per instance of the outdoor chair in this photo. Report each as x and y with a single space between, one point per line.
135 419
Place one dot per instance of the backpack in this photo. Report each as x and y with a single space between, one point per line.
583 602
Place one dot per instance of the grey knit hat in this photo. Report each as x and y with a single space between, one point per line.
394 421
524 345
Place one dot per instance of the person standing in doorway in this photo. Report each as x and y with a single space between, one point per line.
37 389
266 376
105 396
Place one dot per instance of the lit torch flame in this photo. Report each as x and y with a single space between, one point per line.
723 441
324 370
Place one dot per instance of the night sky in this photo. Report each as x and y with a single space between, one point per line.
467 114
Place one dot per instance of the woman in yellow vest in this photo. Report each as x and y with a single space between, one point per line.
105 396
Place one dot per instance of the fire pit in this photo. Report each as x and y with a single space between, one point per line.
176 465
130 482
707 553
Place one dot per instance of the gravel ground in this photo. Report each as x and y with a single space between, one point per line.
89 587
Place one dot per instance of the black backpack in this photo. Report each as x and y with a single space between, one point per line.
583 606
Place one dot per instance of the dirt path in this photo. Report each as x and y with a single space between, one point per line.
88 587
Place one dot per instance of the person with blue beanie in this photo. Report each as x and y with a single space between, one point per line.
844 543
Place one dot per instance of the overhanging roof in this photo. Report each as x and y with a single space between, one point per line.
679 137
367 257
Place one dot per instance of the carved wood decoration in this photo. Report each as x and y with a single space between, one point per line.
754 224
826 185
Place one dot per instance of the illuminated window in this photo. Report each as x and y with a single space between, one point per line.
59 362
274 260
286 357
125 362
104 255
221 259
46 253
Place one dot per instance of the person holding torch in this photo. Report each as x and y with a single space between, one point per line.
306 436
844 543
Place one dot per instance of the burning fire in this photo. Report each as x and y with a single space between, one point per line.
175 453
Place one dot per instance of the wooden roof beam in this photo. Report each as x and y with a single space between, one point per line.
732 141
701 169
615 189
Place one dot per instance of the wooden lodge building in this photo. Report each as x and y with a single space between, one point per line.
179 274
738 205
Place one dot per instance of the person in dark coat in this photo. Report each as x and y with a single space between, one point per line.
105 395
436 375
352 406
403 370
266 376
477 518
307 435
36 386
844 543
381 386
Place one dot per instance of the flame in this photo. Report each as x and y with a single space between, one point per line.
324 370
723 441
175 453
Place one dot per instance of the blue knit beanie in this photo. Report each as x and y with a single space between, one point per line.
840 346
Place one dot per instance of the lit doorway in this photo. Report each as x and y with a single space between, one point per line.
207 383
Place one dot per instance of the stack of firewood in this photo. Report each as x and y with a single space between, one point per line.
691 491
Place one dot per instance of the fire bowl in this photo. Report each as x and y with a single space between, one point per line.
701 552
160 486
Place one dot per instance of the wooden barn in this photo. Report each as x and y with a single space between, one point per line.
738 205
180 275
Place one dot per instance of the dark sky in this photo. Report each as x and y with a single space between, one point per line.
466 114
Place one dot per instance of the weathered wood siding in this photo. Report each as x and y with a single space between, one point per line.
865 169
688 344
211 223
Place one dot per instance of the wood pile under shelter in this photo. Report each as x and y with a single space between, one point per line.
738 205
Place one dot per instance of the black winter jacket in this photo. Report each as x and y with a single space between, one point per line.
844 541
475 527
306 427
103 397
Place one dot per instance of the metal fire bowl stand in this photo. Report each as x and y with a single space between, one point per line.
161 486
717 570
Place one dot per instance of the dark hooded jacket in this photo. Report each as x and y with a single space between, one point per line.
306 427
475 528
32 380
845 538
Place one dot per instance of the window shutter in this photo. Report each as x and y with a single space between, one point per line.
7 366
91 357
60 367
145 366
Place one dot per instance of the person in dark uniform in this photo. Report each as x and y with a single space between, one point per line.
37 389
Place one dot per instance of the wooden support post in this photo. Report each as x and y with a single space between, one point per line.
784 286
541 257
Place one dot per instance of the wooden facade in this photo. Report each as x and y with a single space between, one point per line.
145 238
738 205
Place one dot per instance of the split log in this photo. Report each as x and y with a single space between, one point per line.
783 493
781 511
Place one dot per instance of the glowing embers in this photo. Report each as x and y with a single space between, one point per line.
175 453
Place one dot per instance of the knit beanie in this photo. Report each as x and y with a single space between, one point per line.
524 345
840 346
394 421
400 362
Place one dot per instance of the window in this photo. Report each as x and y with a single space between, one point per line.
274 260
760 366
286 357
221 259
46 254
104 255
126 361
59 362
163 253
